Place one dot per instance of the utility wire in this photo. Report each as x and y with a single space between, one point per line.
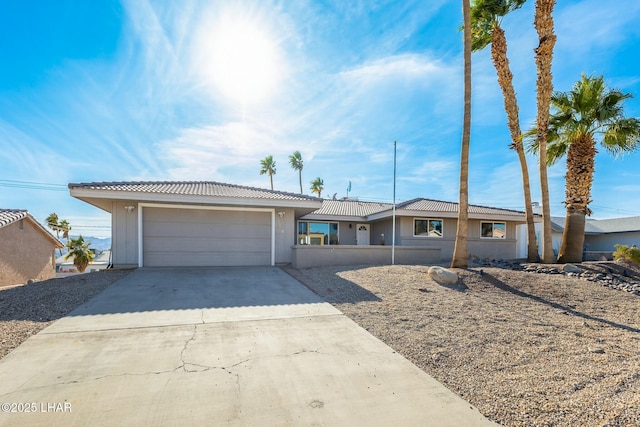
32 185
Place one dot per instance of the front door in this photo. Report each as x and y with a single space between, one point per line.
362 234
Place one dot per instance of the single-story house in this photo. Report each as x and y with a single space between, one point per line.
600 235
217 224
27 249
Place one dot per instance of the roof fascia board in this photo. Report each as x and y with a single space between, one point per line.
435 214
343 218
81 193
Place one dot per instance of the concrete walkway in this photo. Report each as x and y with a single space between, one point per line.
217 346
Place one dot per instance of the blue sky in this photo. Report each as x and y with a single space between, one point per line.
203 90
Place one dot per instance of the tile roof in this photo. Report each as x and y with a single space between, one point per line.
602 226
9 216
430 205
364 209
351 208
192 188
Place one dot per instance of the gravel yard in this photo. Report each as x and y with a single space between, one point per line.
28 309
526 349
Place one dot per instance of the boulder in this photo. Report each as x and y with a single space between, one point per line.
570 268
442 275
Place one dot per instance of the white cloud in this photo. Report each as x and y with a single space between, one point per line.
411 67
203 153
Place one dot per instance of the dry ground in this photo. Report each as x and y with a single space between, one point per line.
26 310
526 349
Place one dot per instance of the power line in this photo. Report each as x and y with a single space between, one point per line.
32 185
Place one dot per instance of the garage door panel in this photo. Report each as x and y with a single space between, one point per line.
196 237
206 216
209 244
180 230
199 259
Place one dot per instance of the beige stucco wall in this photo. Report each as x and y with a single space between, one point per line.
347 234
384 227
286 232
476 246
607 242
25 253
124 235
315 255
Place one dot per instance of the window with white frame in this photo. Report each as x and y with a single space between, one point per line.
493 230
427 227
317 233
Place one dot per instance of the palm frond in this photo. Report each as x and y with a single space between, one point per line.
622 136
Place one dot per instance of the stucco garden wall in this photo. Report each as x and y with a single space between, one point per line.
317 256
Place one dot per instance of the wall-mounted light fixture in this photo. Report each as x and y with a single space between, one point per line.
129 208
281 214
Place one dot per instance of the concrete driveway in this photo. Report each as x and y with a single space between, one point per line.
217 346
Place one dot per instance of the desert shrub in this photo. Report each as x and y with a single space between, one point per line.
627 253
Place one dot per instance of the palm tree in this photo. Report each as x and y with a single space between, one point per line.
54 224
295 160
460 249
317 185
65 227
268 166
486 16
578 117
543 22
79 250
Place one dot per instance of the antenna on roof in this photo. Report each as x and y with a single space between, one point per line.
334 196
348 189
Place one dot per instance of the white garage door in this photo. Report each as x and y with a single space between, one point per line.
195 237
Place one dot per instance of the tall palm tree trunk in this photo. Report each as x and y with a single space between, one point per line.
579 178
460 249
505 80
300 179
271 180
543 22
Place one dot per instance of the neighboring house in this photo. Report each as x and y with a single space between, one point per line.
601 235
101 261
208 223
27 249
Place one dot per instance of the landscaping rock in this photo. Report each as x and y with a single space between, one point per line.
442 275
570 268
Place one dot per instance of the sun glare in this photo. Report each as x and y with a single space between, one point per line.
243 62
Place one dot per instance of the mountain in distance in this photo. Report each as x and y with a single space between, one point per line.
97 243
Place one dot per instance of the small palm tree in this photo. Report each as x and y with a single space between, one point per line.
317 185
268 166
578 117
79 250
295 160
